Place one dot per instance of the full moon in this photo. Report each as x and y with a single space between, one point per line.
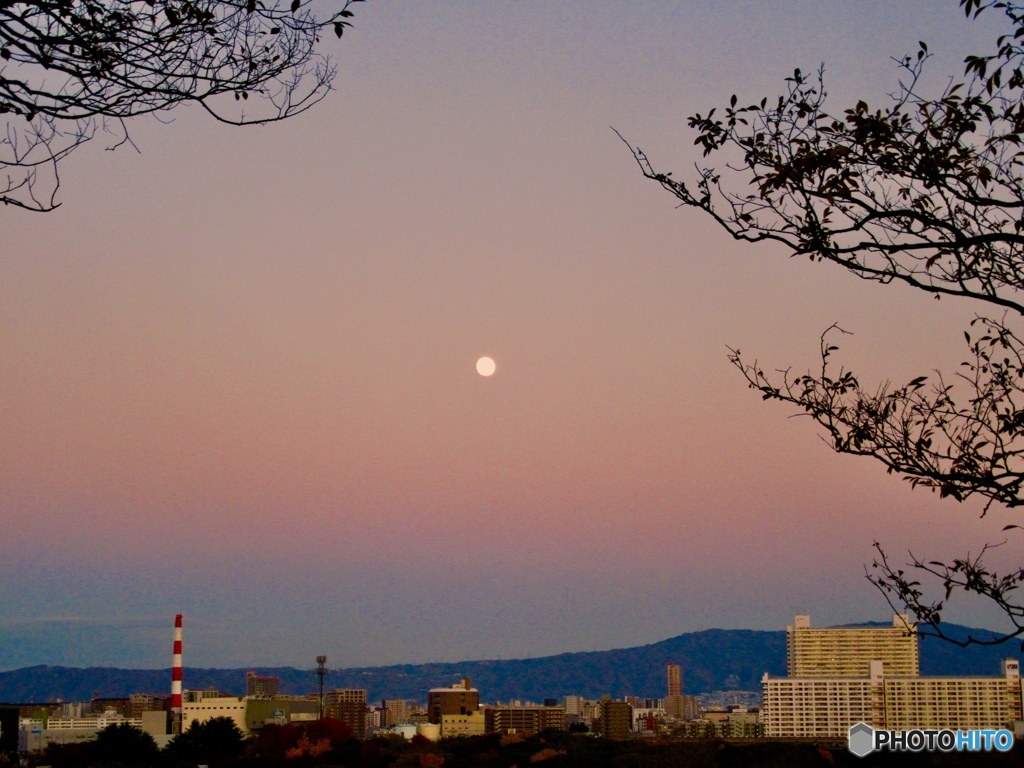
485 366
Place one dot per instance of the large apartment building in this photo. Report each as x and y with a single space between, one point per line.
956 702
525 720
349 706
848 675
265 686
616 719
847 651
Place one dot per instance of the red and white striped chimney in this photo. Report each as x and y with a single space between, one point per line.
176 679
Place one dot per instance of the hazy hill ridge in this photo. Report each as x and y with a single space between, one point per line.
714 659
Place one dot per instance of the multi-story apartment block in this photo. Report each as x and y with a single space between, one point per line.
846 651
375 717
349 706
954 702
616 719
680 707
732 724
523 719
574 705
262 686
394 712
591 710
459 699
144 702
645 721
870 675
198 695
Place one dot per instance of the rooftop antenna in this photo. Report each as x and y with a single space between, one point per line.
321 673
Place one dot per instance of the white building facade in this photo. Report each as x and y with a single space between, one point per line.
851 675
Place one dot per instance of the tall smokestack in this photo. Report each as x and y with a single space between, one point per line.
176 679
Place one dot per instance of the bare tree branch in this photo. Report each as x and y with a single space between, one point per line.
72 68
927 191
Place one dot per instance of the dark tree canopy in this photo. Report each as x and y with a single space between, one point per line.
209 742
124 744
926 191
70 69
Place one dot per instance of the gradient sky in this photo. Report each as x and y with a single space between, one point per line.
237 368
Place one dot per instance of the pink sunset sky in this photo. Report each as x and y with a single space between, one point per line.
237 369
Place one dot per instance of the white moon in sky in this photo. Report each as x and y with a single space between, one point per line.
485 366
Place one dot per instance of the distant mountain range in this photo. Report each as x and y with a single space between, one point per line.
712 660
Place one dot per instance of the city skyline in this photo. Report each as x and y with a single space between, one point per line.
238 369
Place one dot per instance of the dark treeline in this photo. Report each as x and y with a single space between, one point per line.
219 744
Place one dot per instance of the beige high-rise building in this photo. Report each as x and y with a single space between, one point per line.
852 675
395 711
821 706
847 651
676 705
675 679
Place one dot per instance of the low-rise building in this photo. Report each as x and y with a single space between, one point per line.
470 724
35 735
523 719
200 708
735 722
249 714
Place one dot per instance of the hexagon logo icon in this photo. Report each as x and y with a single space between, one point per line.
861 739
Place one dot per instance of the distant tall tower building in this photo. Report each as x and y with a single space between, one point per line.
675 680
261 686
677 705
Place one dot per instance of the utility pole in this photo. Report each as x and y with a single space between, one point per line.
321 673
